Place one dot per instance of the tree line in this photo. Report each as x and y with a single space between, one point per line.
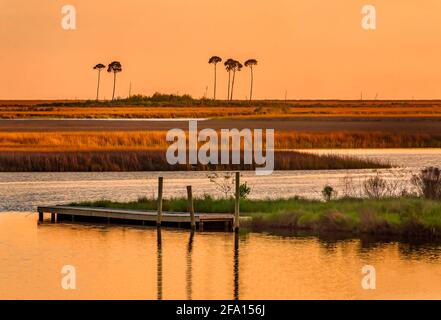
231 66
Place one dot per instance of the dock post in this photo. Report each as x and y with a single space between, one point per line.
191 207
160 190
237 203
40 216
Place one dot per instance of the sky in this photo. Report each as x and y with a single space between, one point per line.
306 49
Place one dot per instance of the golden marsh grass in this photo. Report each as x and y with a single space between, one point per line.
155 140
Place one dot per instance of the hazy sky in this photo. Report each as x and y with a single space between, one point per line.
309 48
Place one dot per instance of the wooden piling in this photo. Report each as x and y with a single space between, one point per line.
191 207
237 203
160 190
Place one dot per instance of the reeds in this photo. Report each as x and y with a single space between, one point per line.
355 140
82 141
155 160
154 140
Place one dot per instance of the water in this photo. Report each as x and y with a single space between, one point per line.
127 263
25 191
409 158
119 262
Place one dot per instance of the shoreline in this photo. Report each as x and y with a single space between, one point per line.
247 228
400 217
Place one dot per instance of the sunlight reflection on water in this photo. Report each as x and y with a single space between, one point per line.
119 262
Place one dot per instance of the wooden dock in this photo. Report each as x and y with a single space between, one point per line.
181 219
63 213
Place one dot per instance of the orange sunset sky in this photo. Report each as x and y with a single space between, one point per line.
309 48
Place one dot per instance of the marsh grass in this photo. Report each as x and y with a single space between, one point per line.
155 160
150 140
410 217
170 105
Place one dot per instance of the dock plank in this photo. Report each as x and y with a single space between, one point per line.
139 215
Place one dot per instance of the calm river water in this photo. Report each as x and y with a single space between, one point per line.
25 191
126 262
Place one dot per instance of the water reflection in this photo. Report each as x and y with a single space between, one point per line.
413 251
189 266
176 264
236 266
189 273
159 264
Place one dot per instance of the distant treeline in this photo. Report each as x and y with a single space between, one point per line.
161 99
161 105
100 161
